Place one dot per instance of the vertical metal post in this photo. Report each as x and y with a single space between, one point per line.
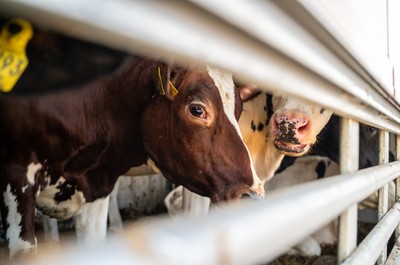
383 158
383 192
349 155
397 192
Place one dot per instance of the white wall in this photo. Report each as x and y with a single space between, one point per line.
394 42
142 193
361 26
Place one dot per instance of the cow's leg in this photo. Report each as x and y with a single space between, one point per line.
18 212
114 215
194 205
328 234
173 202
91 222
50 227
308 247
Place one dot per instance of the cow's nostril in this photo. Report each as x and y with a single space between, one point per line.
303 127
251 195
245 196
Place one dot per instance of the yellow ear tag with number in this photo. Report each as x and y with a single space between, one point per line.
14 37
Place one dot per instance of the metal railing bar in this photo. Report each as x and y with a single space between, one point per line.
192 35
308 16
383 192
349 156
283 32
394 256
371 247
251 232
397 192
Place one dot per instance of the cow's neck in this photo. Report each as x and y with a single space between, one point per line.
126 97
268 161
132 86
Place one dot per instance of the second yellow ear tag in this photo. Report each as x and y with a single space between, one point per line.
172 88
14 37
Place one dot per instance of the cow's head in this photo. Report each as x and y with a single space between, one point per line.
193 136
369 146
295 124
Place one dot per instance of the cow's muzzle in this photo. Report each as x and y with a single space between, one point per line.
289 148
257 191
252 195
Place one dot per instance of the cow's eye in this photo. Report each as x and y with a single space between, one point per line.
197 111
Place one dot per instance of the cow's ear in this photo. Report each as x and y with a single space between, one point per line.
248 91
164 81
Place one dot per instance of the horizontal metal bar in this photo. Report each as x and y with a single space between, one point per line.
248 232
315 48
236 234
394 256
370 248
191 34
367 83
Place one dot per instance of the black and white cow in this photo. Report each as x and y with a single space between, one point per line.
275 126
323 162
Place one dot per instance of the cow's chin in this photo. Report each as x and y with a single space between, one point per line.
290 149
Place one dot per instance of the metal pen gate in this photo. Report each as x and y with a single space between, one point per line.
284 47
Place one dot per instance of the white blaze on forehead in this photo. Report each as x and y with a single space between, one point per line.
16 244
31 171
226 88
282 103
291 103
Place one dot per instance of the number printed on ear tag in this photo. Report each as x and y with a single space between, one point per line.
14 37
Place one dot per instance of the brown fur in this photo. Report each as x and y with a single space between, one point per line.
92 134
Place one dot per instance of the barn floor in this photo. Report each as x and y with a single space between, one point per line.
329 252
130 216
328 257
67 232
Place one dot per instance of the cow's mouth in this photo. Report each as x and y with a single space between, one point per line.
289 148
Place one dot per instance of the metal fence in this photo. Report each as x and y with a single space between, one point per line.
280 46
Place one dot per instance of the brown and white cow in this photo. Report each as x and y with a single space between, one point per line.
272 127
63 151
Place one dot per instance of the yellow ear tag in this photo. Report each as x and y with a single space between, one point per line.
172 88
14 37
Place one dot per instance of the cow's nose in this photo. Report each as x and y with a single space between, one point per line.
301 125
298 121
252 195
294 124
257 191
